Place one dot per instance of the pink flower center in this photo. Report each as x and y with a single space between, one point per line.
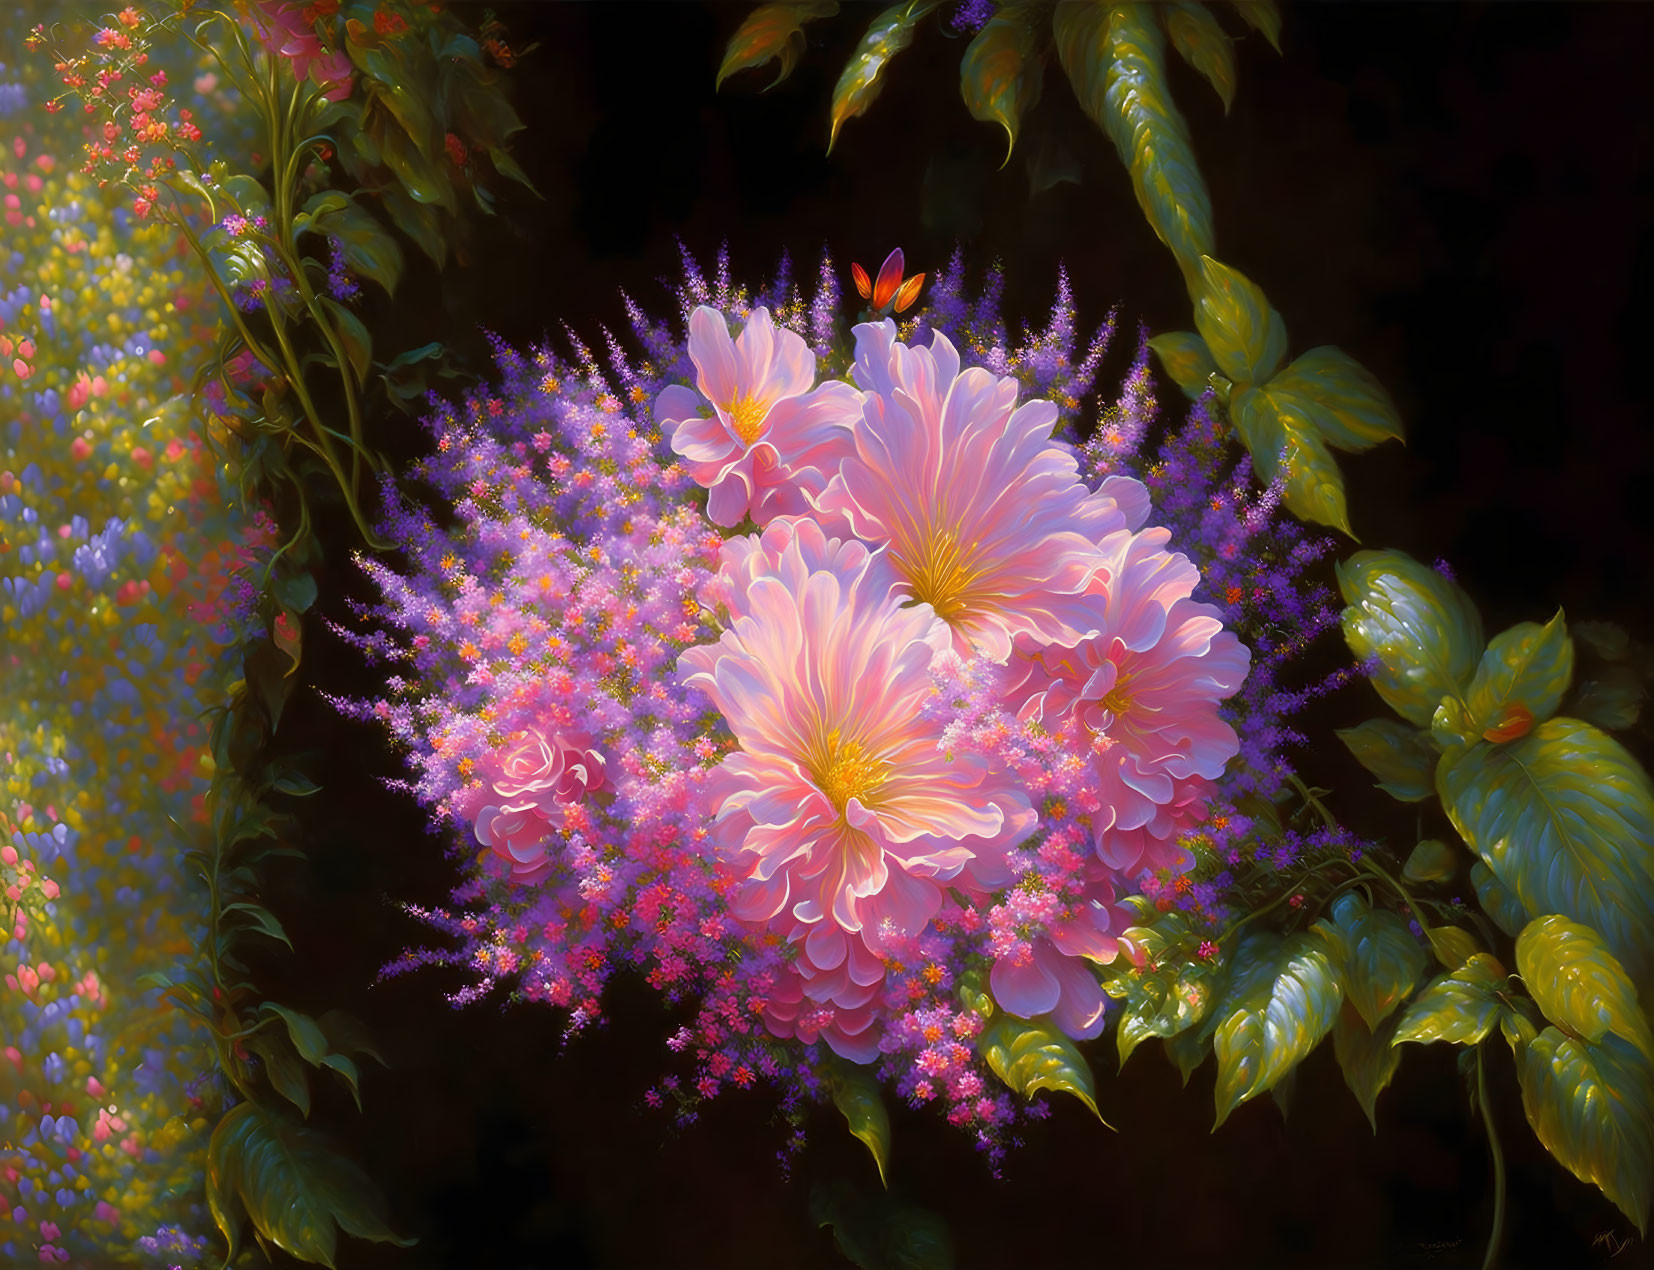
746 415
942 571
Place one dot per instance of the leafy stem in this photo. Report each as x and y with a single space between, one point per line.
1490 1258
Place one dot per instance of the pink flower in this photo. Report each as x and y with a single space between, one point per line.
1148 687
546 773
839 816
534 783
1055 980
518 834
770 440
281 25
984 516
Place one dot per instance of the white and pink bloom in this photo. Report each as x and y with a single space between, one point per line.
770 440
1147 686
839 816
983 515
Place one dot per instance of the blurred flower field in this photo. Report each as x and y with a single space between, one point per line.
124 579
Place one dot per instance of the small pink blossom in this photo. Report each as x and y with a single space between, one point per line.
770 441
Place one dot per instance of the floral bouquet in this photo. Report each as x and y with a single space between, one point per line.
833 685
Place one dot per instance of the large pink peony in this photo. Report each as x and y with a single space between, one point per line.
1148 687
525 794
769 440
983 515
839 816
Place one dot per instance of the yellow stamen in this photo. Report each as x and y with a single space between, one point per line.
844 770
941 570
747 415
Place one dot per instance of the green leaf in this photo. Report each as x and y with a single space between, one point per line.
368 249
1612 698
509 168
392 84
1184 356
353 335
348 1035
1246 336
421 176
1579 984
295 785
1313 488
876 1231
419 221
1591 1106
772 31
1032 1054
1401 757
1366 1057
1263 16
1201 42
1424 631
1283 999
1431 861
260 919
1461 1006
307 1036
293 1184
1564 819
265 668
1115 58
1001 74
1184 1005
1453 945
296 591
1528 665
347 1071
286 1073
856 1093
1383 965
1334 394
1497 901
863 77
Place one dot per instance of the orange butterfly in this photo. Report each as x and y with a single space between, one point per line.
889 288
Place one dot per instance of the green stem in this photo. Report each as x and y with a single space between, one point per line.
1496 1236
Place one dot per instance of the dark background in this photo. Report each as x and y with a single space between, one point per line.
1456 194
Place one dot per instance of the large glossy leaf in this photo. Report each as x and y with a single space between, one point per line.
1366 1057
1382 966
1497 900
292 1183
1032 1054
1313 488
1453 945
1283 1000
1185 1004
863 77
856 1093
1528 666
1001 73
1430 861
1401 757
772 31
286 1073
1184 356
1592 1107
1423 630
1201 42
1244 334
1564 818
1462 1006
1578 983
1338 397
1263 16
1115 58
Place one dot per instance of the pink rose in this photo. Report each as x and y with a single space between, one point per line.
517 834
541 773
